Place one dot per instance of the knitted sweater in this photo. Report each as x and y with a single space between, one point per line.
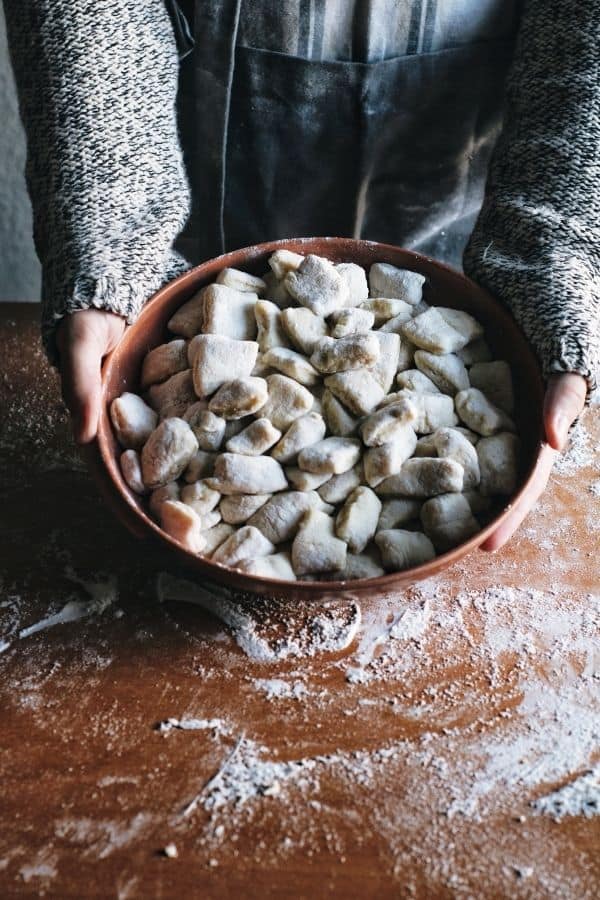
97 85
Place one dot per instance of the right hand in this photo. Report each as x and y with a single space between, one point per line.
84 338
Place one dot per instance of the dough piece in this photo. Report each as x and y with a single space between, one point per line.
164 361
280 516
386 308
462 322
182 524
173 396
477 501
386 280
433 410
275 291
357 389
499 463
339 421
284 261
238 508
239 398
304 328
160 495
382 426
406 357
200 497
414 380
395 322
237 474
332 455
215 536
430 331
133 420
447 371
355 351
270 330
303 432
448 521
476 351
208 428
278 565
360 566
287 401
246 543
241 281
292 364
201 465
494 379
210 519
216 359
426 446
131 471
167 452
316 549
451 444
398 511
478 414
339 487
317 285
356 522
424 477
229 313
305 481
384 370
350 321
187 321
255 439
401 550
356 280
387 459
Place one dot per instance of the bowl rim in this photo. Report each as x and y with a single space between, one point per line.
99 453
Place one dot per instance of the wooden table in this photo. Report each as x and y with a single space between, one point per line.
407 764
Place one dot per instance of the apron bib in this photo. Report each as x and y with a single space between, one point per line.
394 151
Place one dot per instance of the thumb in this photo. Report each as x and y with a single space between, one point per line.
564 401
82 360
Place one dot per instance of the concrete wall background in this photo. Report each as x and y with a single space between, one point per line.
19 266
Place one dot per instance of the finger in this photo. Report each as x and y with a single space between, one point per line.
565 398
506 530
81 384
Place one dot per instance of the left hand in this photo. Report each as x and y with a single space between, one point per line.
564 401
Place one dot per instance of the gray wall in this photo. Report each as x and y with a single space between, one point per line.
19 266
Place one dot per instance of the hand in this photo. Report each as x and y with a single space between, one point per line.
565 398
84 338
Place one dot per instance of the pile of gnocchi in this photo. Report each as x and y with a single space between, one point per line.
317 424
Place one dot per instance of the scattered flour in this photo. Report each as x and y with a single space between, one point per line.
579 798
580 453
279 689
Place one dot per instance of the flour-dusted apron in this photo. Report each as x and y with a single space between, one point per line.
395 151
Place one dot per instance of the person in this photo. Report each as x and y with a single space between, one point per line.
163 133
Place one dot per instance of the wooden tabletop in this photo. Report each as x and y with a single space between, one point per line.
442 743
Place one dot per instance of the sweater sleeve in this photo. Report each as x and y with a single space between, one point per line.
97 84
536 244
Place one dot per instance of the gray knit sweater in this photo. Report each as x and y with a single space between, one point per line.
97 85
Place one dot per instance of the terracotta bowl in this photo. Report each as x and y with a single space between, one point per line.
444 287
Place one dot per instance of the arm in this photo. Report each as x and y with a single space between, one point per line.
97 85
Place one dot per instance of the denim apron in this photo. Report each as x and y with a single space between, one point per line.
394 151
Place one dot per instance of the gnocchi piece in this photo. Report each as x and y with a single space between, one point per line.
424 477
406 357
476 351
384 370
270 330
357 390
499 463
426 445
160 495
201 465
317 285
284 261
164 361
293 364
386 308
215 536
339 487
241 281
361 565
415 380
398 511
356 522
167 452
462 322
131 470
494 379
237 474
200 497
239 508
305 481
478 414
402 549
447 371
239 398
181 523
208 428
133 420
355 351
172 397
382 426
356 280
394 322
278 565
216 359
477 502
316 549
287 401
448 521
210 519
387 459
303 432
339 421
255 439
187 321
350 321
246 543
275 291
430 331
386 280
332 455
433 410
303 327
451 444
278 519
229 313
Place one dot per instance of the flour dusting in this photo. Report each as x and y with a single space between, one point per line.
579 798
